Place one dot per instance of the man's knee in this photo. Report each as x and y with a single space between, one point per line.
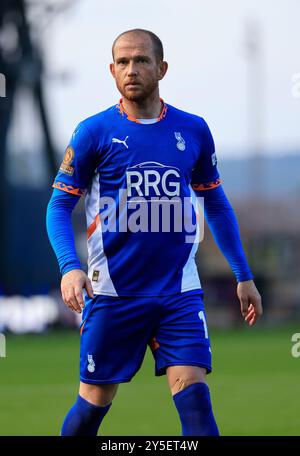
182 378
183 382
101 395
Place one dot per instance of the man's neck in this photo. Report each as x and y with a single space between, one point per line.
147 109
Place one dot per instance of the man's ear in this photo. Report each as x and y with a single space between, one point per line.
163 67
112 69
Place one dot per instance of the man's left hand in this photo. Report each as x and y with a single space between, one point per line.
250 300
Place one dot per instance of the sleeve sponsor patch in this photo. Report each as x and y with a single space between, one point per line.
66 166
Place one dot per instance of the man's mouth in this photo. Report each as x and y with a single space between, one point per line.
132 84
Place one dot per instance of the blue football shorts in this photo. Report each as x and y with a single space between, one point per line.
115 333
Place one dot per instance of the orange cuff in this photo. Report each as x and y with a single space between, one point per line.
68 188
208 186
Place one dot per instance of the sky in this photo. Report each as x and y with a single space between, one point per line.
249 104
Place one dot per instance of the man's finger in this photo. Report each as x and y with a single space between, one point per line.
256 314
253 320
250 308
89 288
79 297
250 312
76 306
258 307
244 306
249 316
65 297
72 301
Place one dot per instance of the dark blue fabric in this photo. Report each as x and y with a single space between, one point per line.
206 166
115 332
195 411
223 224
219 215
113 160
83 418
60 231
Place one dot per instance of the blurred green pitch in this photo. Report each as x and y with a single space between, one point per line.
254 387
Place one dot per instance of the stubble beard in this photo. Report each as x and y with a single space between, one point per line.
141 94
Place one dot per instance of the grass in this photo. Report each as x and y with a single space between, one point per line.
254 387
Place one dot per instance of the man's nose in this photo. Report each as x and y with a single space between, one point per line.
132 70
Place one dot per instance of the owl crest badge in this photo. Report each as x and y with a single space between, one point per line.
180 141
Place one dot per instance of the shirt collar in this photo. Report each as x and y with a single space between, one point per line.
123 112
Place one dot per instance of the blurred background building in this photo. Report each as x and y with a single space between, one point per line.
239 71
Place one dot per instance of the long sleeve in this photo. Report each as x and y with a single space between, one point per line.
223 224
60 230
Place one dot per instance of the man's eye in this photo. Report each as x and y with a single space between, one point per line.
122 62
141 60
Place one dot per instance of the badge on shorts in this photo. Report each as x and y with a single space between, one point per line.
95 276
91 364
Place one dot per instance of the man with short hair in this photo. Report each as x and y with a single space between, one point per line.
141 164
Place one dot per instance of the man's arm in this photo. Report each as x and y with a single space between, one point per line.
73 178
60 233
223 224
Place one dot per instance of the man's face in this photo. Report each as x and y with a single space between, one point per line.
135 68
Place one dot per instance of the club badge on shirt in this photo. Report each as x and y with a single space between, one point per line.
180 141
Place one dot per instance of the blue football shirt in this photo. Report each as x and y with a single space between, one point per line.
138 180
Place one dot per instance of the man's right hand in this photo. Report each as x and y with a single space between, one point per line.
71 286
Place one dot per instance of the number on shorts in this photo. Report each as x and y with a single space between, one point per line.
202 318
